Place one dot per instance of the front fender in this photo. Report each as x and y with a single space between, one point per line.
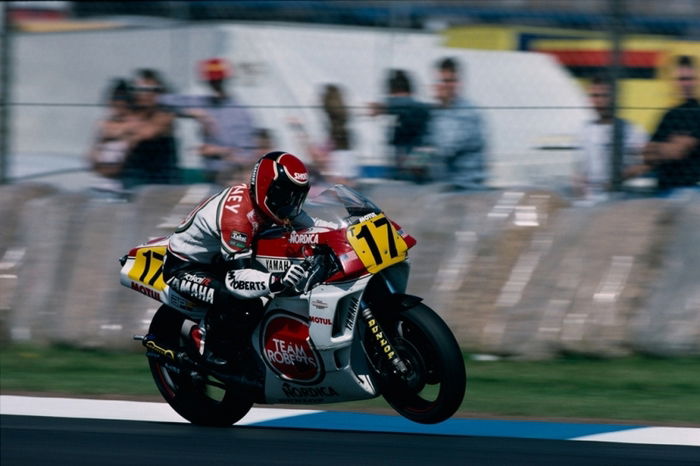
402 302
385 302
386 290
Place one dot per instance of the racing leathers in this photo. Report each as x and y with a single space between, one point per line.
210 255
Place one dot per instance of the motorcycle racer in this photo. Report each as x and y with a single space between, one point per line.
344 333
210 254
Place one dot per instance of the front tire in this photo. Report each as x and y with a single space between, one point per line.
193 396
435 386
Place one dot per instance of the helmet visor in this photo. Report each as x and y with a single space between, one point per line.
284 199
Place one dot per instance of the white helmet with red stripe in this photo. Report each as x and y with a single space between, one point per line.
279 184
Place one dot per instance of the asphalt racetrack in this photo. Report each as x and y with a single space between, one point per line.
50 430
37 440
40 431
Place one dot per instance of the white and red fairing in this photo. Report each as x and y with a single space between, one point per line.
297 245
309 342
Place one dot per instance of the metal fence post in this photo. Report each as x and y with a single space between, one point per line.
5 45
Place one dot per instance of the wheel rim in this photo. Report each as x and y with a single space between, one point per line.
427 395
422 390
200 399
166 381
174 384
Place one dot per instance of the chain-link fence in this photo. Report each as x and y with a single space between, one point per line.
525 73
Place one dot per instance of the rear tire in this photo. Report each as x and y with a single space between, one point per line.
437 383
194 396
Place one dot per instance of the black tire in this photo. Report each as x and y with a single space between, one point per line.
438 379
194 397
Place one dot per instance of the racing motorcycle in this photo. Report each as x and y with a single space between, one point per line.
349 333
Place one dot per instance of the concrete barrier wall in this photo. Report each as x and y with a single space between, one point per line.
516 273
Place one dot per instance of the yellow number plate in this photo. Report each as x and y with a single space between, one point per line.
377 243
148 267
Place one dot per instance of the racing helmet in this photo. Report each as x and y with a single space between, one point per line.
279 184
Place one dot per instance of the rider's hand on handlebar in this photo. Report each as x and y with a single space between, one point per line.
294 275
290 280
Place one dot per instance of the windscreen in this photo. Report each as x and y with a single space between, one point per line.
340 204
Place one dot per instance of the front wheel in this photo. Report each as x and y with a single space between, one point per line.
433 388
196 397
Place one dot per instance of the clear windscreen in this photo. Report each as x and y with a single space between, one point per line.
340 205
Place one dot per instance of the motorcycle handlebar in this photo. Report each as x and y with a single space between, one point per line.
319 266
308 263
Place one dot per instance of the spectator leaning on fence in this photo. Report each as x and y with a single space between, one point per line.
456 130
152 155
674 150
593 164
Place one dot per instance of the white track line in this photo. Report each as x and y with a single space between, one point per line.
162 412
688 436
119 410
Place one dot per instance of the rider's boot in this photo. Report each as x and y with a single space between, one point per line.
225 334
198 336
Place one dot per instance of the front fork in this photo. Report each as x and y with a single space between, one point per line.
381 339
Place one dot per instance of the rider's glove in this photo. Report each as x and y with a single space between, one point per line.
288 280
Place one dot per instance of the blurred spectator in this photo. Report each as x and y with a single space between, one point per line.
333 160
109 149
592 179
409 126
340 166
456 131
152 156
228 134
674 150
264 142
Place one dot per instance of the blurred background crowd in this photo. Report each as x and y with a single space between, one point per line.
584 98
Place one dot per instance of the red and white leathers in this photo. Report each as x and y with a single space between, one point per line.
216 236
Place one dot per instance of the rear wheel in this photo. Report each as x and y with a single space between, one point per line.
196 397
433 387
